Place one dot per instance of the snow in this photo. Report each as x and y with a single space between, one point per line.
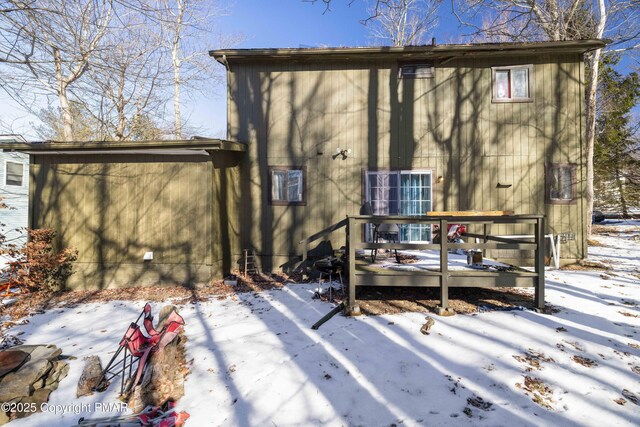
255 360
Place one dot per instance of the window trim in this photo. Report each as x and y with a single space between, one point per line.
303 202
495 99
6 174
574 184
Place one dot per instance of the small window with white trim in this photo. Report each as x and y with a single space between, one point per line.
512 84
14 174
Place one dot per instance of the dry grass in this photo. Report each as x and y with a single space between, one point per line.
541 393
532 359
584 361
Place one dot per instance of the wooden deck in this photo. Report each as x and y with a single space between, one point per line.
362 273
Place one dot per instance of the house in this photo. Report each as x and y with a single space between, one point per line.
14 191
314 134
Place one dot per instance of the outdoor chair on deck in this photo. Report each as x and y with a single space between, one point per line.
388 232
384 231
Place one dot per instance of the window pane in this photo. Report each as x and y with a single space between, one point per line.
295 186
14 173
561 184
502 84
278 190
520 78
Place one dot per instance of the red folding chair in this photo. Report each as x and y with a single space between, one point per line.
137 344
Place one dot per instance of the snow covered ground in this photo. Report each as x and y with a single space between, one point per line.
255 361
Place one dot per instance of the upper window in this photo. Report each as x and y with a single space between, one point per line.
14 174
287 185
415 71
512 84
561 183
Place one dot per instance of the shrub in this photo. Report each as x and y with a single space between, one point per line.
39 266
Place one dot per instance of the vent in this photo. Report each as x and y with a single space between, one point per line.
416 71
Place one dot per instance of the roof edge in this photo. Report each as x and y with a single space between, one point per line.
89 146
579 46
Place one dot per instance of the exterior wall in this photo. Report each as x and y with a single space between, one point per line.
14 219
300 113
114 210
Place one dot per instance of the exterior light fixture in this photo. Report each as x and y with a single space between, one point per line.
344 152
440 179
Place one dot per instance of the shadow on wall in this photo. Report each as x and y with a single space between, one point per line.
116 212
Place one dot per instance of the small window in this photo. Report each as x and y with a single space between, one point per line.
561 184
14 174
512 84
416 71
287 185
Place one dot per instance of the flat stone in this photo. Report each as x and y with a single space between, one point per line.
3 418
39 397
11 360
19 383
39 384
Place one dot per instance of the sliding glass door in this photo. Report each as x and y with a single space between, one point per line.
401 193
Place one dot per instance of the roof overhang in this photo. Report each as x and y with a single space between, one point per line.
199 146
227 56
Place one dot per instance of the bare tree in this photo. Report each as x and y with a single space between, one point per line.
402 22
186 26
129 78
49 45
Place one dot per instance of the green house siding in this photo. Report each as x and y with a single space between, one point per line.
115 210
300 113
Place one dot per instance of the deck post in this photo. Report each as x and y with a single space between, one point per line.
352 309
539 262
444 267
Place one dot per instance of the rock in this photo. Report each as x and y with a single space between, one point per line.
429 323
19 383
3 418
90 376
11 360
39 384
38 398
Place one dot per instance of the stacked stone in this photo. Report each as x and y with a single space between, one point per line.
30 384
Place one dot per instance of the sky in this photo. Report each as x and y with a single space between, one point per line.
262 23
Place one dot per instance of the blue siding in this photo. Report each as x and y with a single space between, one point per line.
15 219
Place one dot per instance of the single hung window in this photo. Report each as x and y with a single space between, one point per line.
287 185
561 183
512 84
14 174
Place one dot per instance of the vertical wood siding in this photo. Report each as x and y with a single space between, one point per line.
114 212
288 113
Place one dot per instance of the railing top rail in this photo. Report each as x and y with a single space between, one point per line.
450 218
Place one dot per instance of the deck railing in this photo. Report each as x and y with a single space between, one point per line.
361 274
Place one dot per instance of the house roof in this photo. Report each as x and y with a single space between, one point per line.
226 56
169 147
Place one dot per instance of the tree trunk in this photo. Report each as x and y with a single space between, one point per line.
63 99
621 197
175 57
594 66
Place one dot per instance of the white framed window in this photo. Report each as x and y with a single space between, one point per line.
512 83
13 173
402 192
